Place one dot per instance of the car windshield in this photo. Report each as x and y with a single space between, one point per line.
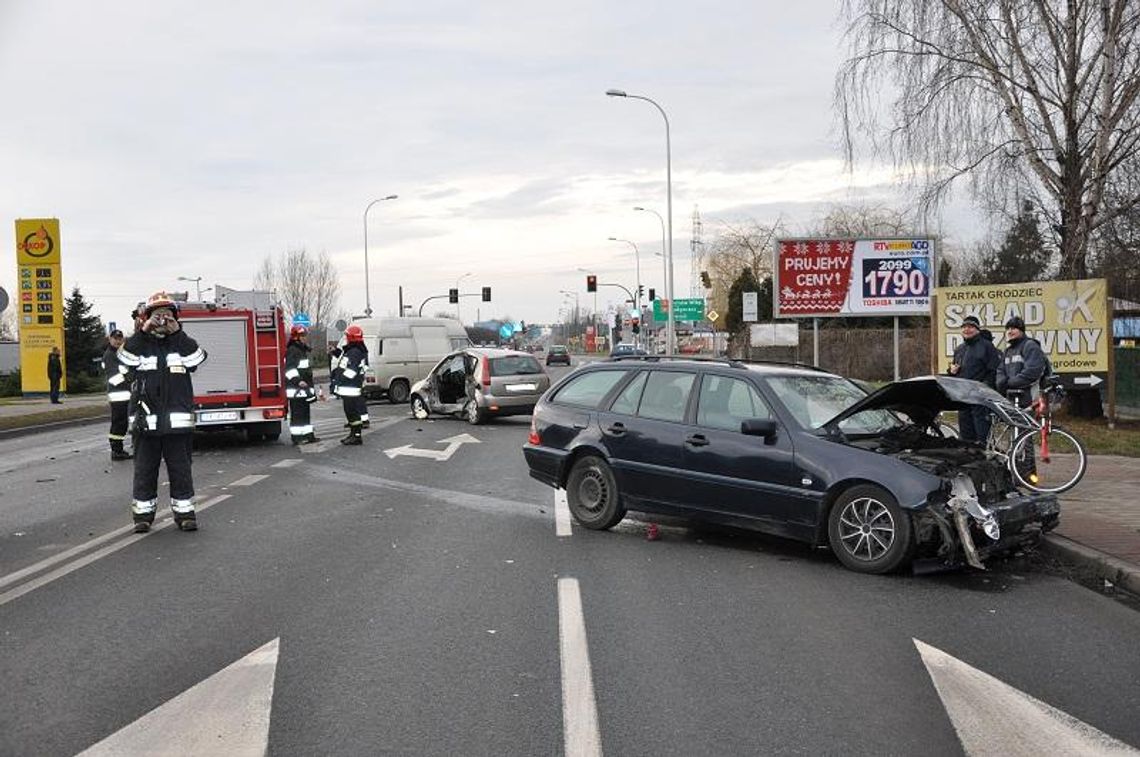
814 400
514 365
558 350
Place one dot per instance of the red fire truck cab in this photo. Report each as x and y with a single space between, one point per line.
240 386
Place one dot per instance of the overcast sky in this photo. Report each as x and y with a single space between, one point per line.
181 138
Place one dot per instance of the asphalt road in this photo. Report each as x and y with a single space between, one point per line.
423 606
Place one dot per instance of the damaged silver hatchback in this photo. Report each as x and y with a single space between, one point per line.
478 383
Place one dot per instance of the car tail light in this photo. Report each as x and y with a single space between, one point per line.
533 437
274 413
486 368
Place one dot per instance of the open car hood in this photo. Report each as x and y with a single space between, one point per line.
922 398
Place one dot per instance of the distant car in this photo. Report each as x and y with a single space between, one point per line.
478 383
794 451
625 348
558 354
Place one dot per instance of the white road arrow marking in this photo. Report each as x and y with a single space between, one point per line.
1091 380
453 443
994 718
228 713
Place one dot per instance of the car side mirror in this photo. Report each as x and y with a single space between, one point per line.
764 427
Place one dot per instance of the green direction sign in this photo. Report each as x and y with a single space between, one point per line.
683 310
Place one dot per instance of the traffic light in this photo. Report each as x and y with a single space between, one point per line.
637 325
640 292
486 294
705 279
453 296
652 294
591 283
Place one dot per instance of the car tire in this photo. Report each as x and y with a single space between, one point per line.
592 494
472 413
420 409
398 392
869 532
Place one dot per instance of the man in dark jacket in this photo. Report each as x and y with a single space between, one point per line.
299 388
352 365
976 359
163 357
55 374
1023 364
118 394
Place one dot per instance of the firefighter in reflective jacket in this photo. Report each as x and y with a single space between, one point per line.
118 394
352 364
163 357
299 387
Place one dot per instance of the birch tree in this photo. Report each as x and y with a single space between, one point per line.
1023 98
303 283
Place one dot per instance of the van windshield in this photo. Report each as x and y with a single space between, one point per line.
515 365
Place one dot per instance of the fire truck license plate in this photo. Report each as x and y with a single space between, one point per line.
226 415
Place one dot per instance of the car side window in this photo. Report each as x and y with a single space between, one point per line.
626 402
724 402
588 389
666 395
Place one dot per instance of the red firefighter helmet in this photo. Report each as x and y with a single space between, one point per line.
354 334
159 300
298 331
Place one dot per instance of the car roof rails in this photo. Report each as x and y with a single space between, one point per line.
733 362
786 363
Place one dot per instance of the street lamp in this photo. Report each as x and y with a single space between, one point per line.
367 288
637 256
671 332
197 286
458 315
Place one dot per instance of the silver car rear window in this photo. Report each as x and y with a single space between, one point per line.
515 365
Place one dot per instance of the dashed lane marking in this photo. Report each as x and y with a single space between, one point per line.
130 538
579 705
287 463
561 514
250 480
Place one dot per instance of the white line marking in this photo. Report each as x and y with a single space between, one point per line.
994 718
250 480
561 514
287 463
579 707
131 538
226 714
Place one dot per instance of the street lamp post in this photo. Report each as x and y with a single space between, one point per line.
459 315
664 270
637 291
577 331
197 286
367 287
671 332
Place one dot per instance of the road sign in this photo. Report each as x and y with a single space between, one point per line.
683 310
713 315
751 306
301 319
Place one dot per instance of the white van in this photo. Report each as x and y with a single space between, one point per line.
401 351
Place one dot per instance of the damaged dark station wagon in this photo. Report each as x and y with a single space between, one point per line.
789 450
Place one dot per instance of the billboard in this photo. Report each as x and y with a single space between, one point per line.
1068 318
40 301
818 278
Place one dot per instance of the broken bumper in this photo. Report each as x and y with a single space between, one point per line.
1021 520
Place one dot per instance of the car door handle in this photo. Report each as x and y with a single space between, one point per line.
697 440
617 429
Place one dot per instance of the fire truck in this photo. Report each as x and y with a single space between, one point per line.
241 384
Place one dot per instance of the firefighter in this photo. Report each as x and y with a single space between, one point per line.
299 387
118 394
352 364
334 367
163 357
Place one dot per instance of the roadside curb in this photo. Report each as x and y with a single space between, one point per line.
11 433
1124 574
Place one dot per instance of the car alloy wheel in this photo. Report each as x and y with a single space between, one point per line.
419 408
868 531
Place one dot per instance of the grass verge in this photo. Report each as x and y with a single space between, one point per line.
1099 439
53 416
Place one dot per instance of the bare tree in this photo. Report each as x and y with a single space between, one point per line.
9 331
734 248
861 220
304 283
1028 99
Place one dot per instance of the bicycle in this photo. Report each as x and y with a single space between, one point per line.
1054 466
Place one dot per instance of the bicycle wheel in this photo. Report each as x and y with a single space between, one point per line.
1058 471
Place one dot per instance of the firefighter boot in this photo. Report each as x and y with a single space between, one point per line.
354 437
142 526
313 439
187 522
117 451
